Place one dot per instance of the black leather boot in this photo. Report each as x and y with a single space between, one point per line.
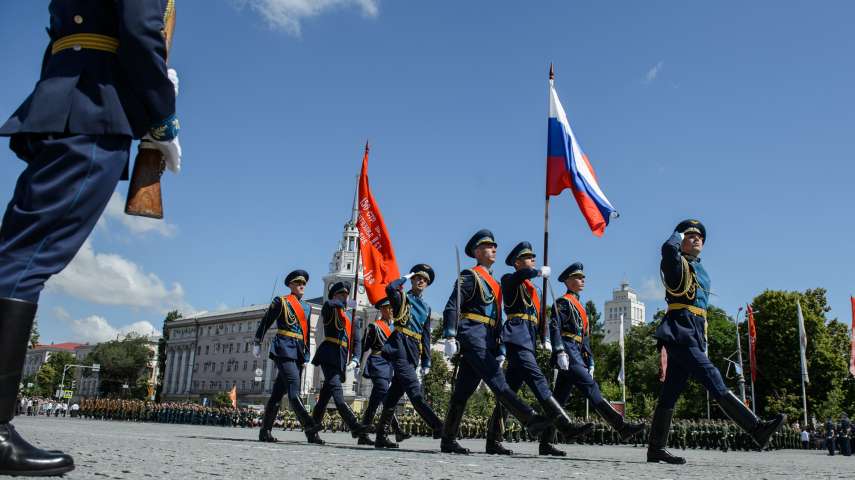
318 418
496 432
364 439
265 434
546 447
534 424
356 429
660 426
624 429
17 456
759 430
380 438
449 432
401 435
428 415
310 426
562 422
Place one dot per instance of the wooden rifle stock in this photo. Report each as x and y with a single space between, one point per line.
144 194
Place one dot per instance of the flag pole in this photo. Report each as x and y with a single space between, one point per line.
622 366
741 378
355 220
803 351
544 328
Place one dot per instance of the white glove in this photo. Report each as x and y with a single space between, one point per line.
351 303
425 371
681 235
409 275
544 271
173 77
171 151
352 365
256 350
563 361
547 345
591 370
500 359
450 347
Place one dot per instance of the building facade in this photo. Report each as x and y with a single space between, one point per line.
40 354
624 302
212 352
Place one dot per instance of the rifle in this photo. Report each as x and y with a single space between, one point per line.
144 195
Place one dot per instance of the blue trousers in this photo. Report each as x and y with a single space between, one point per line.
287 382
406 380
333 377
684 362
57 201
576 376
523 368
478 364
379 389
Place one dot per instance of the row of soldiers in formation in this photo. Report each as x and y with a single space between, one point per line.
493 330
693 434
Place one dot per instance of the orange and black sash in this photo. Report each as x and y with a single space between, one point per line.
579 308
301 315
347 329
535 298
482 272
384 327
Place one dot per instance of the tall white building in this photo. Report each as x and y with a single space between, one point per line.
624 302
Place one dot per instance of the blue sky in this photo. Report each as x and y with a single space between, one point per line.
740 114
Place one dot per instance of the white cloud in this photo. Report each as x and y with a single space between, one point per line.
115 212
110 279
653 72
288 14
651 289
96 329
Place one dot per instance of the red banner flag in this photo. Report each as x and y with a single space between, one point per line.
233 395
852 340
752 344
379 266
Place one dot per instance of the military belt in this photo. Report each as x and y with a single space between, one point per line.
416 336
475 317
289 333
336 341
376 352
524 316
571 336
691 308
89 41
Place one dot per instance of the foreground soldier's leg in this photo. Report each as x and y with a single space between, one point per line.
464 386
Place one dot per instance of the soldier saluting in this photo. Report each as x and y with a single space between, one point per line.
104 82
472 326
338 352
682 333
408 346
519 340
570 335
289 351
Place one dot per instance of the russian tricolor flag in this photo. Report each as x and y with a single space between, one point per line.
567 166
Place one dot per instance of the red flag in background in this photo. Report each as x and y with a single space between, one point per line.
233 395
852 341
752 344
379 266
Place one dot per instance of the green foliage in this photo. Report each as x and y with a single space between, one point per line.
778 386
34 333
48 378
123 362
222 399
437 383
594 317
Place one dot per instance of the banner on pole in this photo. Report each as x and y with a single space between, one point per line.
802 342
752 344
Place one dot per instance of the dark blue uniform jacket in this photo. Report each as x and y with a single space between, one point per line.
412 313
376 366
476 297
519 331
284 346
331 353
686 282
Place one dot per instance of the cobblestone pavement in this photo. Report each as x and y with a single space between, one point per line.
107 449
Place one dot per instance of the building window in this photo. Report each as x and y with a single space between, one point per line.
207 347
199 350
244 365
254 365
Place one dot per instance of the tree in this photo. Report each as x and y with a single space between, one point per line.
778 386
222 399
48 377
437 383
123 362
34 333
593 317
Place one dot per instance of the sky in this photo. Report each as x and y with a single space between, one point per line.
739 114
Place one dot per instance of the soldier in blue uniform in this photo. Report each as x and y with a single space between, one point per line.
682 333
472 327
407 348
574 359
378 369
289 351
103 82
519 339
339 351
